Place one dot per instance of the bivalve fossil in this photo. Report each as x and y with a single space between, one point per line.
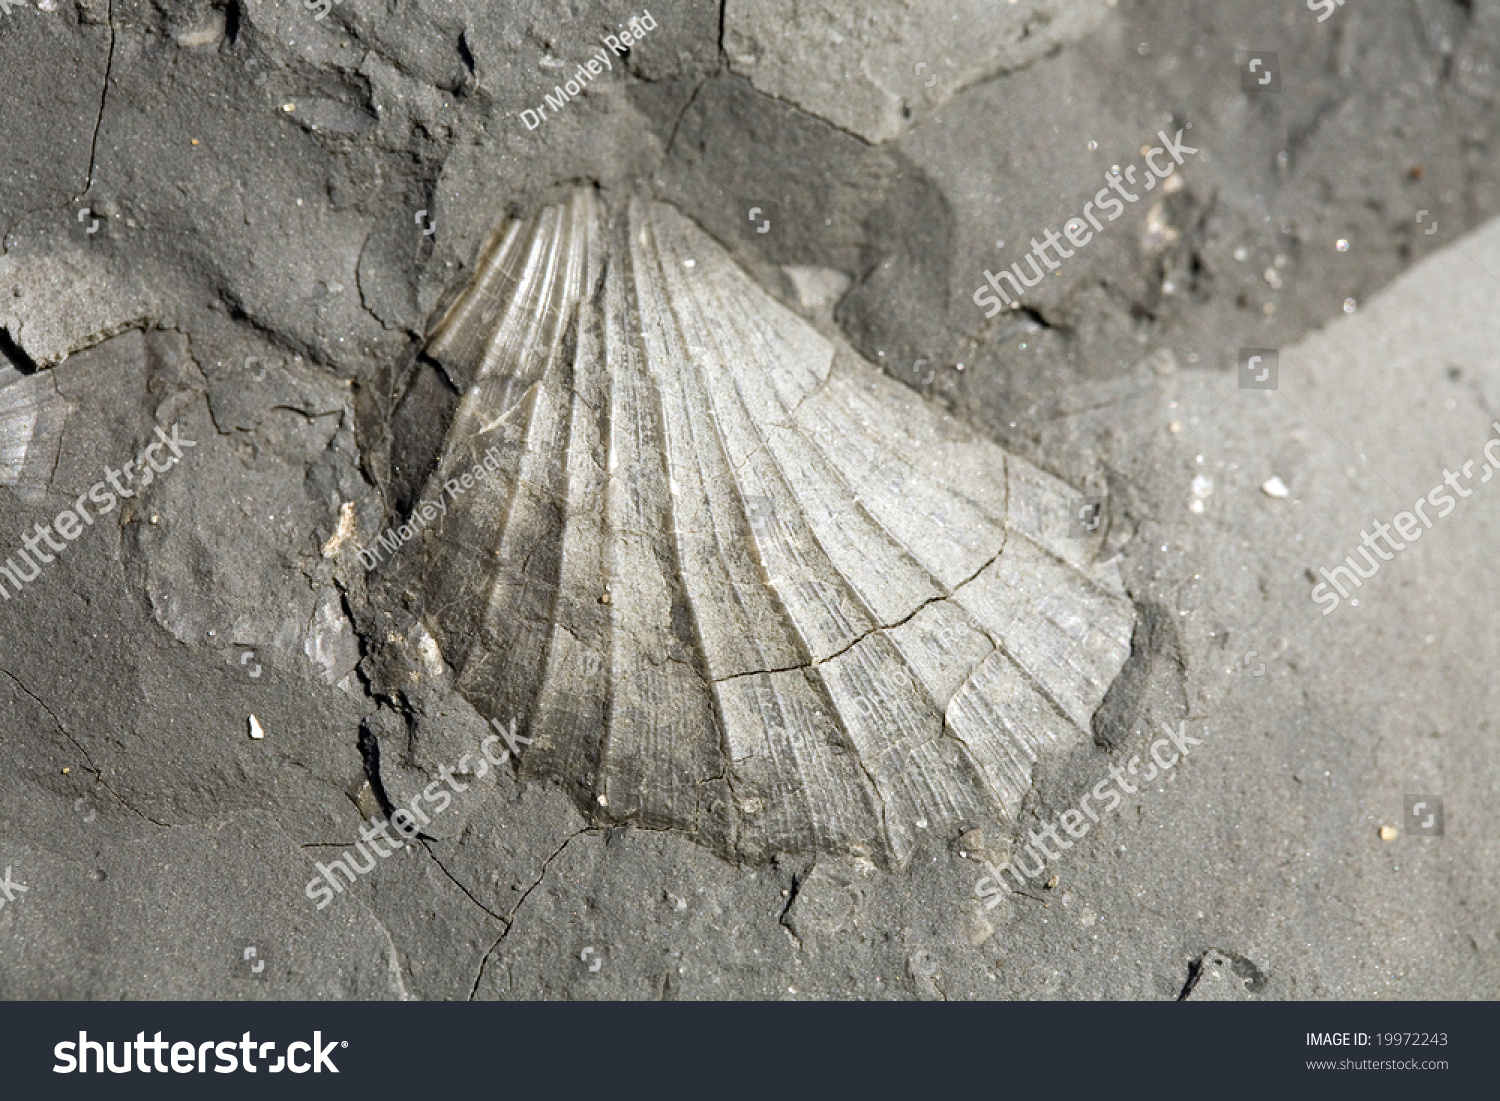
732 579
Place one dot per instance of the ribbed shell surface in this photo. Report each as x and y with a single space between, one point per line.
729 578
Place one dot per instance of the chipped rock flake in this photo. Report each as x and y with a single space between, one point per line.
255 729
329 643
1275 487
836 617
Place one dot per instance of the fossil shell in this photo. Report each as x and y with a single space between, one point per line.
32 414
730 578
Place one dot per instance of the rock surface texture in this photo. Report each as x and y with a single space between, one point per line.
799 596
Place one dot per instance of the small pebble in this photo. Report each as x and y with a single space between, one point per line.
980 930
971 844
1052 882
1275 487
1163 362
1387 833
1202 487
255 731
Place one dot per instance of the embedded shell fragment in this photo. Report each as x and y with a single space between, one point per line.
32 414
729 578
